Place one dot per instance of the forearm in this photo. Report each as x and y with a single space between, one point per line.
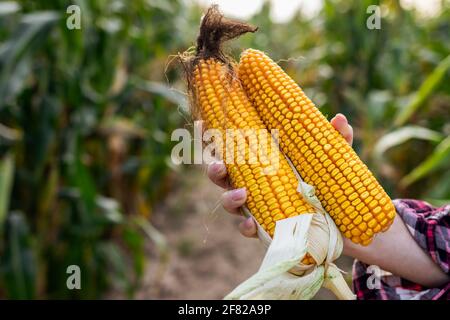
396 251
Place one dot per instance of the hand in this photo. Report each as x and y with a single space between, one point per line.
395 250
232 200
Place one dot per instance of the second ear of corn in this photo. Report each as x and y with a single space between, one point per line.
344 185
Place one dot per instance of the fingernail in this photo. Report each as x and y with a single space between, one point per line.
248 223
238 194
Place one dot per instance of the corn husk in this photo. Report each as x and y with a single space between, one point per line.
281 274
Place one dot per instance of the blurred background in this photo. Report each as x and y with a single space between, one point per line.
86 117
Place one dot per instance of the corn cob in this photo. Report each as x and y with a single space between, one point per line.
220 100
344 185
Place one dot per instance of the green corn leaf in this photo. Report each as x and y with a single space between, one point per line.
110 208
438 202
18 261
9 135
86 185
435 161
6 182
152 233
8 7
116 261
400 136
440 189
162 90
426 89
15 53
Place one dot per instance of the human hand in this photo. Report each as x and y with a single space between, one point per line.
232 200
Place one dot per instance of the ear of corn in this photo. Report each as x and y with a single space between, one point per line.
224 105
344 185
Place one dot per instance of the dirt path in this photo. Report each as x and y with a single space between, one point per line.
207 257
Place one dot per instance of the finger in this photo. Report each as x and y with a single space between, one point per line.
349 137
340 123
248 228
234 199
217 172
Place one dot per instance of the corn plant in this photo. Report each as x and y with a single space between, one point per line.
85 115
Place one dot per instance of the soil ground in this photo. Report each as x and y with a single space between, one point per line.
207 255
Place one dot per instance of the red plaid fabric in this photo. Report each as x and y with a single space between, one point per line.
430 227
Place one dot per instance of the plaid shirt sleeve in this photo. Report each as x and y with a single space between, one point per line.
430 227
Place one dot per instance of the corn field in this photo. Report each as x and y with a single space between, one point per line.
86 117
